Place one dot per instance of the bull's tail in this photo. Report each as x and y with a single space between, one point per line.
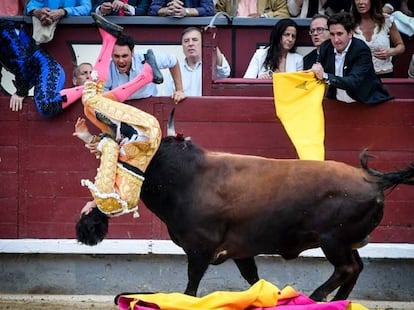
387 179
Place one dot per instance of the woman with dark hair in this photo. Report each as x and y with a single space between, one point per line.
279 55
377 30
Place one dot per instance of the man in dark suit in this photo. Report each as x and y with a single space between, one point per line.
345 64
319 33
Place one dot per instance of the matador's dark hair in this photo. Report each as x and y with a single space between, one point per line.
92 228
342 18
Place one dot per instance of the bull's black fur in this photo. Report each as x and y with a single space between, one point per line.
170 177
170 172
176 157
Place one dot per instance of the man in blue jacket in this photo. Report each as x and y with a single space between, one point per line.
49 11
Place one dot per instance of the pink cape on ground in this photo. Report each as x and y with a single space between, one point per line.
261 296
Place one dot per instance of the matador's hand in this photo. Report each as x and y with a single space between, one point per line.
87 208
16 103
81 129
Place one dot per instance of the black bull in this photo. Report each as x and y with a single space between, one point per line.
218 206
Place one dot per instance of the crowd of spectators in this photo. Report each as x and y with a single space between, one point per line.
182 8
373 23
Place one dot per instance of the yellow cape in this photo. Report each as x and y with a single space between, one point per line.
298 101
261 295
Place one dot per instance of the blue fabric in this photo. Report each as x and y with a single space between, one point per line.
72 7
32 67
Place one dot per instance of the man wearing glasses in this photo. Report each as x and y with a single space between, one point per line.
319 33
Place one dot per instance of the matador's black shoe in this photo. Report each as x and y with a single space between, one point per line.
157 75
111 126
106 25
127 130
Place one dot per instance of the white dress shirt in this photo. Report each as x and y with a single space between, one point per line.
341 94
192 78
294 62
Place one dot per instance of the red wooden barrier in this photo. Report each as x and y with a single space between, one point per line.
42 164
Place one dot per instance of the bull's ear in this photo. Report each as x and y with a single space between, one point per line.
171 127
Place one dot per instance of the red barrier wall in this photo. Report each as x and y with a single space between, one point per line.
42 164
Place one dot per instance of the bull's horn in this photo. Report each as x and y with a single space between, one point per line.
171 128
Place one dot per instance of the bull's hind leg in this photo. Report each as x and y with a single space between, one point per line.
248 269
347 287
348 266
197 266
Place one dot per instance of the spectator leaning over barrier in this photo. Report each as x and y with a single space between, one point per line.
319 33
178 8
345 64
191 67
126 64
47 13
279 55
253 8
377 31
121 7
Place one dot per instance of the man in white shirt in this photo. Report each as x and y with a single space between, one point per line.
191 67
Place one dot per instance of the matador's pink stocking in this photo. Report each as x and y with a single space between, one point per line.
101 66
123 92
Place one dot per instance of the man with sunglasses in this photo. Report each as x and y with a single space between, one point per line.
319 33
